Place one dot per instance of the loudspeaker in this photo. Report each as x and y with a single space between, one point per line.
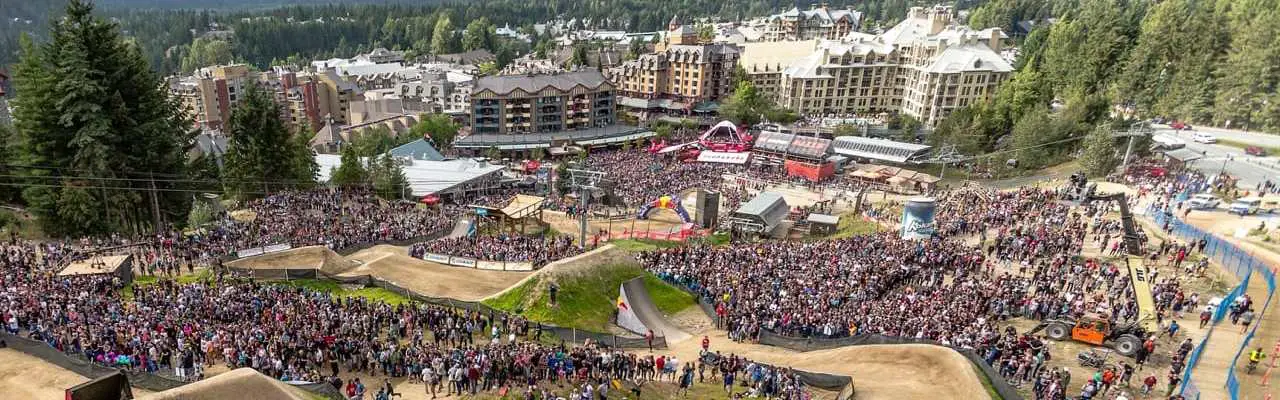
708 208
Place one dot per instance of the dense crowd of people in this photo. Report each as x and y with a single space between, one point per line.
504 247
943 288
639 177
298 334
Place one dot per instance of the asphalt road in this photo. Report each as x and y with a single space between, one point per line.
1250 170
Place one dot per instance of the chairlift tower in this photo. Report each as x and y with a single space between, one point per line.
1136 129
584 182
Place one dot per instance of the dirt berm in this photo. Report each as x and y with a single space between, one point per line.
239 384
310 257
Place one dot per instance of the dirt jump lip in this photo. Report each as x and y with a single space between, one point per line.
647 312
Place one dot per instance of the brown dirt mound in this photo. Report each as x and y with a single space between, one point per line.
310 257
241 384
907 371
435 280
26 377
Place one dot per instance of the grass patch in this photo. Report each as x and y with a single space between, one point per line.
338 291
986 383
853 225
1242 145
13 220
638 245
586 301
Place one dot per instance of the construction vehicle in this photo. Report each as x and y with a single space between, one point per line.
1097 329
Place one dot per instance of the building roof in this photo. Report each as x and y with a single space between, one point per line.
329 134
602 135
1183 155
776 55
823 219
972 57
809 147
425 176
878 149
419 149
505 84
824 15
767 207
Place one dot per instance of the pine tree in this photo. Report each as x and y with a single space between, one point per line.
389 181
1099 155
442 40
262 154
351 172
99 123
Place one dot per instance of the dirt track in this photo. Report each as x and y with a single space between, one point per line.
26 377
900 372
431 279
241 384
310 257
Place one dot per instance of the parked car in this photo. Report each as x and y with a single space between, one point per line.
1201 137
1246 206
1179 126
1204 201
1255 151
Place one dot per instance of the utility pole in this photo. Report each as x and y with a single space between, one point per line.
585 181
155 205
1135 130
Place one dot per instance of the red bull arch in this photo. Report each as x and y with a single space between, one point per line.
665 202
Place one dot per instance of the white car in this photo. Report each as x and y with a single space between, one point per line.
1201 137
1204 201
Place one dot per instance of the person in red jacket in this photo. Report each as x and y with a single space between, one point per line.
706 343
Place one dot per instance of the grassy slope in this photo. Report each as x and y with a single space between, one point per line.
587 301
852 225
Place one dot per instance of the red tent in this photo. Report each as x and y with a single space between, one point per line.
431 199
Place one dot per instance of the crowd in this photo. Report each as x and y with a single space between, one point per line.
504 247
943 289
639 177
297 334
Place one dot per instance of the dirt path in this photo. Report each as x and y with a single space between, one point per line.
30 378
906 372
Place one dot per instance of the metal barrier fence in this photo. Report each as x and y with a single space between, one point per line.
1243 265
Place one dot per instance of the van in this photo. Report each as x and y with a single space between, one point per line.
1245 206
1269 205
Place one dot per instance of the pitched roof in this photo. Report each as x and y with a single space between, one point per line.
505 84
968 58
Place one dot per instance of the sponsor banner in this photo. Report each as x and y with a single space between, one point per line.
489 265
250 252
522 266
463 262
440 258
276 247
257 251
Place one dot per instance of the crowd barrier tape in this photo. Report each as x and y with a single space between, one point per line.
490 265
1242 264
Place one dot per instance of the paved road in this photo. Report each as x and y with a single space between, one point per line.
1249 169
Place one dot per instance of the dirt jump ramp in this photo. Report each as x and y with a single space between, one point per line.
239 384
638 313
310 257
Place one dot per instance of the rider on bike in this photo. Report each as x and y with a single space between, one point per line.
1255 357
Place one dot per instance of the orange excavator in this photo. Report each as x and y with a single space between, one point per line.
1097 329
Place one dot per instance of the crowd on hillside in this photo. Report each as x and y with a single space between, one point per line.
639 177
504 247
943 288
297 334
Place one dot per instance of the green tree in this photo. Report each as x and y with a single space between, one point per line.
1099 154
263 155
206 52
706 32
438 128
388 177
662 131
579 57
1030 134
745 106
847 130
1249 78
96 119
488 68
478 35
442 38
351 172
201 214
